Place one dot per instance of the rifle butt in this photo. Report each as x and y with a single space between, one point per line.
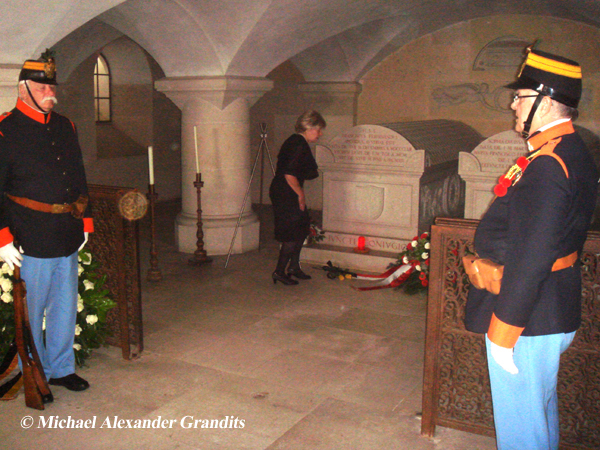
33 396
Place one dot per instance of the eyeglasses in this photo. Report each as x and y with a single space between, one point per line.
517 96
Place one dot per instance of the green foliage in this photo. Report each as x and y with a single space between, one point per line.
92 307
7 311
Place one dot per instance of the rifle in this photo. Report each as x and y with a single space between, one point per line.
37 391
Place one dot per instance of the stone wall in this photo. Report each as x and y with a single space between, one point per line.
456 73
459 72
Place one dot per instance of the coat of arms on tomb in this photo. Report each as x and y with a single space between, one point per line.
369 201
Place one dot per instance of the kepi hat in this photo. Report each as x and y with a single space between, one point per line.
42 70
551 75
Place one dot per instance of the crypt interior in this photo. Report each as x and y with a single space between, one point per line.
318 366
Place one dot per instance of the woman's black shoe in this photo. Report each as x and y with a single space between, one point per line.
298 274
283 279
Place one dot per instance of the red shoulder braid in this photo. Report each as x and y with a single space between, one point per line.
515 172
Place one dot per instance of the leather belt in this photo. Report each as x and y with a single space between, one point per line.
486 274
77 208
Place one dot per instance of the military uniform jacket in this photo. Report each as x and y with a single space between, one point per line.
40 159
544 216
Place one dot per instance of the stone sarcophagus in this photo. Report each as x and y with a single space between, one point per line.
388 182
481 168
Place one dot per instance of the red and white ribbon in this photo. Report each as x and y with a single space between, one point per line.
392 277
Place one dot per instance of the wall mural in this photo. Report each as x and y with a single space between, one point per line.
496 100
500 54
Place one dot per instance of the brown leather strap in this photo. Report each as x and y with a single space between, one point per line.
77 208
564 262
42 207
485 274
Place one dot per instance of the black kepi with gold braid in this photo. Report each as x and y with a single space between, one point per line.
551 75
42 70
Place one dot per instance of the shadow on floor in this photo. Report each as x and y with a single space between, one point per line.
232 361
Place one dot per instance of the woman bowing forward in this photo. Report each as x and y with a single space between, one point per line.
295 164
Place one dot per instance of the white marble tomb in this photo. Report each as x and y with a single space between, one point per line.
370 188
481 169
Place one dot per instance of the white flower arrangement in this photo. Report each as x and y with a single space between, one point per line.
91 319
416 254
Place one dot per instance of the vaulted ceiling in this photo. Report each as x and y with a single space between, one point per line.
327 40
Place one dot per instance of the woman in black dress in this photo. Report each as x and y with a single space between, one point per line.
295 163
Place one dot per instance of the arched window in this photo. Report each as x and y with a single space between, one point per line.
102 90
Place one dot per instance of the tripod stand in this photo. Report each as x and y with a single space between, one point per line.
259 155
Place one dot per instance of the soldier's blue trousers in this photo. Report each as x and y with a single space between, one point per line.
51 285
525 404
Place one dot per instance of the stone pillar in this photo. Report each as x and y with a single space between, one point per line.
219 109
337 102
9 79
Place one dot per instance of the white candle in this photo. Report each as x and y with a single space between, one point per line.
196 146
151 164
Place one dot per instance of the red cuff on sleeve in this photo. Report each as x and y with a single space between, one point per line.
88 224
6 237
503 334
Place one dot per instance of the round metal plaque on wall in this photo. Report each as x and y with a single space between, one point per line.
133 205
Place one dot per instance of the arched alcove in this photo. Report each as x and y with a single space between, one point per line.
129 132
115 152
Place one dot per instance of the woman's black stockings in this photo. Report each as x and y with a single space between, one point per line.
289 253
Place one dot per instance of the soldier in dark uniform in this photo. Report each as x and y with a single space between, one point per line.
43 210
535 227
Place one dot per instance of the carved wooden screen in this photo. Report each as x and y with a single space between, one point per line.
456 390
114 244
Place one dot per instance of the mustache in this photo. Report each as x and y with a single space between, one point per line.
51 98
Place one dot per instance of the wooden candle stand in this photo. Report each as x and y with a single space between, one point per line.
154 273
200 256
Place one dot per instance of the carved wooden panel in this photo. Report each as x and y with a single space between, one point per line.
456 390
115 244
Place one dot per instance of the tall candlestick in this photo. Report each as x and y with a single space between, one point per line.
196 146
151 165
154 273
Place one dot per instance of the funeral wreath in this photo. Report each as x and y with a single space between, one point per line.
416 254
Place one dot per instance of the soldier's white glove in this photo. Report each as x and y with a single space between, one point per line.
10 255
504 357
85 239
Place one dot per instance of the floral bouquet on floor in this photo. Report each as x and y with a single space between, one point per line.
7 311
92 307
316 234
416 255
410 272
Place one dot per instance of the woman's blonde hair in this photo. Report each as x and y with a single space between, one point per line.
310 119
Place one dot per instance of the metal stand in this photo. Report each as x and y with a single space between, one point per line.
199 257
154 273
259 155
